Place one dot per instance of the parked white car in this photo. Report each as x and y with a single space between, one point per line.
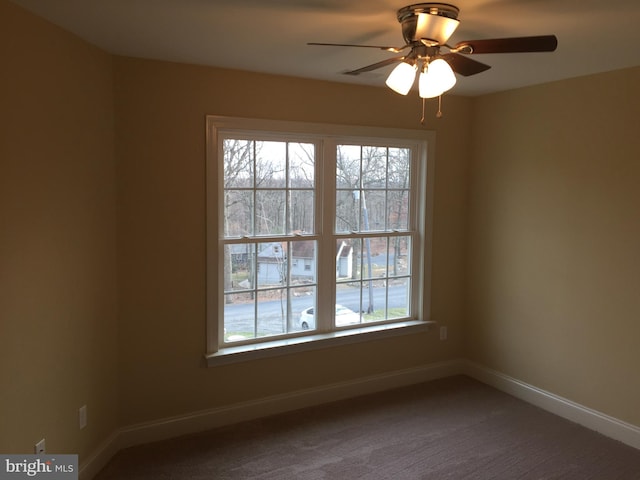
344 316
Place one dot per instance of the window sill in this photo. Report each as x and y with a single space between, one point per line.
243 353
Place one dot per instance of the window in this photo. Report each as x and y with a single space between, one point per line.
315 232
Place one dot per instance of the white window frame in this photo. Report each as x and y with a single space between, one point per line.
329 136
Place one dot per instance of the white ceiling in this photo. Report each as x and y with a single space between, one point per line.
271 35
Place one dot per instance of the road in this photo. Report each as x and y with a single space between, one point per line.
239 317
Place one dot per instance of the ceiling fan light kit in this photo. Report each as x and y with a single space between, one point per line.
436 78
426 28
401 78
431 23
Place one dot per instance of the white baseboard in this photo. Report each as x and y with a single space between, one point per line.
587 417
216 417
90 467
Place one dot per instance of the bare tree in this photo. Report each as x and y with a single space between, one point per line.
399 178
238 167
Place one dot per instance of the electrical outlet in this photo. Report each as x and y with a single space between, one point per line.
443 333
82 417
39 448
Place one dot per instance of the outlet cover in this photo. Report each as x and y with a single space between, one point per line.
39 448
443 333
82 417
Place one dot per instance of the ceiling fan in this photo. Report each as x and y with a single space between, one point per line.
426 27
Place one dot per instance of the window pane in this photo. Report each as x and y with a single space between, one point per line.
374 167
239 316
303 262
344 260
373 259
273 308
349 252
399 259
271 164
399 298
238 213
373 209
348 166
302 307
345 316
238 163
302 164
271 268
270 212
349 294
399 170
397 210
347 211
376 302
239 267
301 206
379 257
366 259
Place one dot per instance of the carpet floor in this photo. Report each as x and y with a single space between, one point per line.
454 428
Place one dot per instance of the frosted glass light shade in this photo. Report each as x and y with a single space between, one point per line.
401 78
438 78
435 28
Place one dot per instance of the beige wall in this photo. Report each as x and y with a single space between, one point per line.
554 244
57 238
160 117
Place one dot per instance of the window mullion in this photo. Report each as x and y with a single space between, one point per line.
254 192
326 246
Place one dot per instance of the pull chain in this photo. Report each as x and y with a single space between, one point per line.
438 113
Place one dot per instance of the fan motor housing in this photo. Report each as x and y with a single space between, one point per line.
429 23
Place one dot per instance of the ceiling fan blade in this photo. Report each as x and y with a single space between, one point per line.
387 49
465 66
374 66
540 43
